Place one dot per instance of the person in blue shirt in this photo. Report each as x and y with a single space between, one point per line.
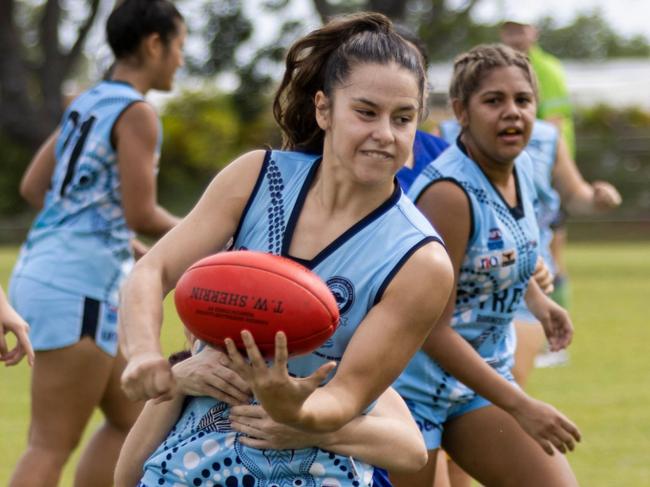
348 105
558 181
426 148
479 195
373 438
94 181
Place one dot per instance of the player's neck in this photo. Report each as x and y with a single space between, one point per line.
337 192
136 77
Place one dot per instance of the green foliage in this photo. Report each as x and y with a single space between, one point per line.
203 133
613 145
225 28
15 158
590 36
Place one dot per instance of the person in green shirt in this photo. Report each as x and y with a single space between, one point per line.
554 103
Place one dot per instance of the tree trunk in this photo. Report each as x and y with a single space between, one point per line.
30 96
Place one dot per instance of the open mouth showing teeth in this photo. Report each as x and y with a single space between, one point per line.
377 155
510 131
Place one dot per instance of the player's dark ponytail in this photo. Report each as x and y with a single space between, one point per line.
322 60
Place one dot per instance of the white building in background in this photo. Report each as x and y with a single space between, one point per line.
620 83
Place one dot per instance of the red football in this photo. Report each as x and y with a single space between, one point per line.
223 294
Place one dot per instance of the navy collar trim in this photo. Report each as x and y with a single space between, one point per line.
345 236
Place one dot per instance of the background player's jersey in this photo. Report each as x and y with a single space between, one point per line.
79 242
357 267
493 278
542 149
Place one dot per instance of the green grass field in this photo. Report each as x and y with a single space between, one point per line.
605 389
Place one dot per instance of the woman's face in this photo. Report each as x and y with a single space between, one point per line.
370 121
499 116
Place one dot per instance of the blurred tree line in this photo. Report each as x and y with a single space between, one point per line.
41 46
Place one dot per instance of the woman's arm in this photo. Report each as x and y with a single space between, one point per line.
148 432
135 137
447 207
554 319
205 230
408 309
12 322
38 176
577 195
386 437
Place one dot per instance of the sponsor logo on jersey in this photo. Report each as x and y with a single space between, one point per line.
488 262
343 291
508 258
493 260
495 241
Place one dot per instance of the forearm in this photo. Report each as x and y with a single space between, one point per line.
535 298
156 222
5 307
326 410
37 177
147 433
458 358
141 312
383 442
581 201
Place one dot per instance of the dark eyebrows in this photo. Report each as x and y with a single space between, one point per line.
372 104
501 93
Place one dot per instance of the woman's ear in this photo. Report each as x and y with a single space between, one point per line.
153 46
460 111
322 104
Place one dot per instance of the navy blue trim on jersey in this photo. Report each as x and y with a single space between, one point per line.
302 262
341 239
297 208
469 201
516 211
111 139
380 478
256 188
119 82
90 318
402 261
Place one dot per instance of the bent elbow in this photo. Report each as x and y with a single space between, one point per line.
413 460
420 459
32 197
140 221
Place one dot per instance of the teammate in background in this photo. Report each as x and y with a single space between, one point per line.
348 105
555 107
557 180
95 180
11 322
479 195
373 438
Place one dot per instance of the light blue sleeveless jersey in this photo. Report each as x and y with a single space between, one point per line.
542 149
357 267
79 242
500 258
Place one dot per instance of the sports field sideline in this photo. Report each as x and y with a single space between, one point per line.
605 389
